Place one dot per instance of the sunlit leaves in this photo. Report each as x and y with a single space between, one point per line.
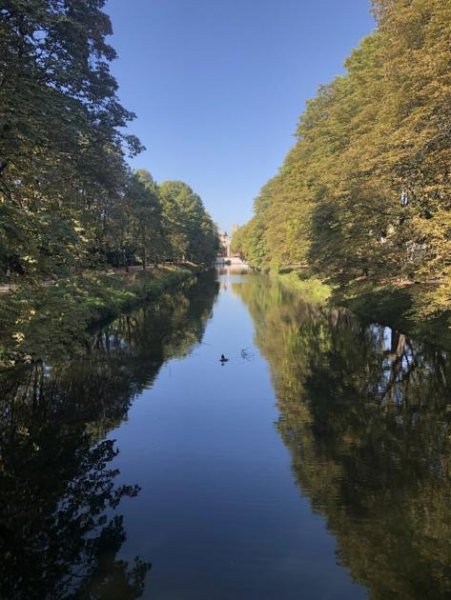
366 191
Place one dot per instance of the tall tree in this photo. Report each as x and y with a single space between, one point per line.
147 218
366 190
61 143
189 228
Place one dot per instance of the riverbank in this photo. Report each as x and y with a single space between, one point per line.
37 319
117 292
312 289
395 304
399 305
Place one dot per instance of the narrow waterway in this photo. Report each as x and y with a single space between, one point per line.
314 463
219 514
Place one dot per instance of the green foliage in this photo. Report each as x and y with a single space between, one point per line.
366 190
191 233
68 201
60 132
69 205
312 290
55 318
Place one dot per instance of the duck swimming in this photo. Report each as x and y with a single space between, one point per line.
223 359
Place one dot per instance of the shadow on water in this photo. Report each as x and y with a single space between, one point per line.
60 525
365 413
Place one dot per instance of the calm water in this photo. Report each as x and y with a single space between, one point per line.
315 463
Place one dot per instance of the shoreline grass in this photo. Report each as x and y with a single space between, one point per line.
38 320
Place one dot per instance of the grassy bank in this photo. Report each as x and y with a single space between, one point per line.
310 288
395 305
36 320
113 293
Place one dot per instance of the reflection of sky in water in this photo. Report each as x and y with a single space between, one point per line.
388 332
219 512
241 498
229 280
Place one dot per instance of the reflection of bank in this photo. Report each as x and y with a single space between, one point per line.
364 414
231 261
63 522
59 492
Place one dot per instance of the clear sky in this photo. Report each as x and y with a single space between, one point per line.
218 85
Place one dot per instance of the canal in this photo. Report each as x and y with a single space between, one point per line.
314 463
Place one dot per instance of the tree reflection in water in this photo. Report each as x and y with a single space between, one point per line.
60 534
365 413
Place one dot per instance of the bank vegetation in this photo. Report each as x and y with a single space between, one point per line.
71 208
362 200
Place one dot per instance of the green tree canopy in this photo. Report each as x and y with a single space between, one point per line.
61 136
365 192
190 230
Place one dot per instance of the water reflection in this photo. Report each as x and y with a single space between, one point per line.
60 527
365 412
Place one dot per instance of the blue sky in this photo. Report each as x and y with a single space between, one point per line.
218 85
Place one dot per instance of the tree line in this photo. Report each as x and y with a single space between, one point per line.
365 191
68 199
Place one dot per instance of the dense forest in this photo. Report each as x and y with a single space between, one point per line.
68 200
365 192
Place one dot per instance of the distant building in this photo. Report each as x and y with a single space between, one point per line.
225 242
226 256
224 248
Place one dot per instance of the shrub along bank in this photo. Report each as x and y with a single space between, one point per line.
390 304
36 318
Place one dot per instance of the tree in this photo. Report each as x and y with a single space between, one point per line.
365 192
147 217
191 233
60 131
